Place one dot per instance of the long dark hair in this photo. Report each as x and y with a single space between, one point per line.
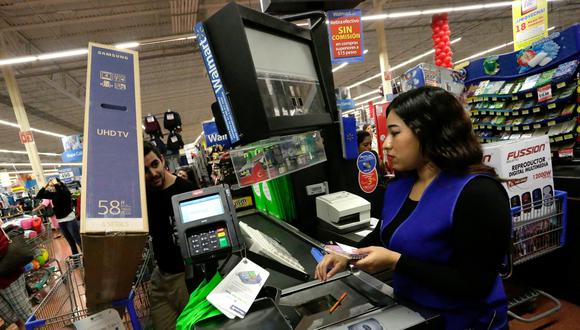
443 128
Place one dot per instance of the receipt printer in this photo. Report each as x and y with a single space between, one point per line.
343 211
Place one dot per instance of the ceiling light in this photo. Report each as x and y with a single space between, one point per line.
432 11
367 101
126 45
366 51
340 67
43 164
15 125
400 65
4 151
30 172
365 95
17 60
68 53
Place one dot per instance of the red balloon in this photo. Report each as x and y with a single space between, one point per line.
444 16
448 58
448 32
436 30
438 62
441 44
437 39
441 34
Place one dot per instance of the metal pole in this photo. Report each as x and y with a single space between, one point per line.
383 54
25 135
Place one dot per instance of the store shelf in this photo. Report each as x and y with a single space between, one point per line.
520 95
524 127
538 108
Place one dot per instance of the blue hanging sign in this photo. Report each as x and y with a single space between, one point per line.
212 137
216 83
113 197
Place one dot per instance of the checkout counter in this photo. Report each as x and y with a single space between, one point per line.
291 298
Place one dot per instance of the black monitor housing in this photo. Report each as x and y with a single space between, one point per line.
270 77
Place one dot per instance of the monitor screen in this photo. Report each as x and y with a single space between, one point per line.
201 208
287 77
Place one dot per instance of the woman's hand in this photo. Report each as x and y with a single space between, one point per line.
377 259
333 262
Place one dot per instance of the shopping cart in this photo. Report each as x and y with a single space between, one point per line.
538 228
65 303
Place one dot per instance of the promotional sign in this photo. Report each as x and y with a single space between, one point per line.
212 137
558 49
113 197
73 148
530 22
345 104
349 137
381 126
368 177
216 83
26 137
346 36
66 175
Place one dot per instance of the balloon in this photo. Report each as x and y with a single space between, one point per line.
441 44
441 34
436 30
438 62
436 39
444 16
448 32
448 58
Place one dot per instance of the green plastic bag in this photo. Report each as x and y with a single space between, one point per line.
198 308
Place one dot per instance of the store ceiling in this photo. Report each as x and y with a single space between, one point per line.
172 73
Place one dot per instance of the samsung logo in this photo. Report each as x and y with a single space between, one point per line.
114 55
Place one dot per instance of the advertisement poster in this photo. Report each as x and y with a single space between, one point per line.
346 36
368 177
113 195
530 22
72 148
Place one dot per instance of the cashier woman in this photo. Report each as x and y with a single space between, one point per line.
445 225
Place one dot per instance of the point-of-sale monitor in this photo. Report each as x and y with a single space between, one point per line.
270 77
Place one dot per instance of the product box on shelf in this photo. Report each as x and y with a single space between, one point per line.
526 167
426 74
114 225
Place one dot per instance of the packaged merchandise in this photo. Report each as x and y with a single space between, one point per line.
507 88
567 92
545 78
518 121
518 86
568 110
526 165
565 71
530 82
481 87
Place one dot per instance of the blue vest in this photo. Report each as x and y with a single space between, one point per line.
426 235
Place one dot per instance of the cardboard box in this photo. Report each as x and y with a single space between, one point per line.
111 263
426 74
114 223
526 165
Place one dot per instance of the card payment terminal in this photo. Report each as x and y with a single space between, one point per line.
206 224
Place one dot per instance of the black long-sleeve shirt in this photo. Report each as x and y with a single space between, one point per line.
481 237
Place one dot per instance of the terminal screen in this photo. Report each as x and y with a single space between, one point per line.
201 208
287 76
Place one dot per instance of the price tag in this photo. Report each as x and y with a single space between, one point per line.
515 128
529 95
552 123
560 85
150 119
551 140
537 125
514 98
525 112
568 136
544 93
536 110
558 139
170 116
552 106
174 139
507 128
483 112
526 128
516 113
494 98
489 127
499 128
